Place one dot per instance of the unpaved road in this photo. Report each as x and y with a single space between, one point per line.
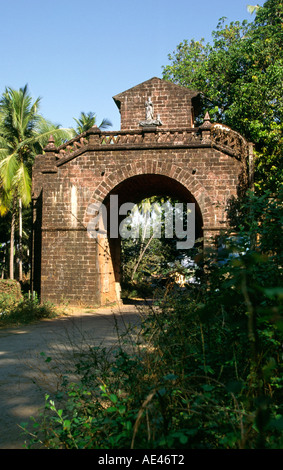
25 376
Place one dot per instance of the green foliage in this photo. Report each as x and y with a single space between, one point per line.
241 76
15 310
86 121
146 260
204 371
261 217
23 134
10 288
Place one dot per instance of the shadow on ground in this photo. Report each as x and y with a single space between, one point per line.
25 376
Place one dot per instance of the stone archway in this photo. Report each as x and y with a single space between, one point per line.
174 176
133 190
162 152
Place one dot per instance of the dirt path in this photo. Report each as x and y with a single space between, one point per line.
25 377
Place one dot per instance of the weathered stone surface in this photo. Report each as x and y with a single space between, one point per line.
172 103
203 165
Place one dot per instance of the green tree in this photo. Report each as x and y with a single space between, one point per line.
150 255
86 121
241 75
23 133
252 8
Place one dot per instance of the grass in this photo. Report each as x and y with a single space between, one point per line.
14 312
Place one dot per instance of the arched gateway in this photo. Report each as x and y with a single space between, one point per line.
158 151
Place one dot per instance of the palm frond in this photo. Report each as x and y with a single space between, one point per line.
18 114
88 120
42 137
105 124
22 182
85 122
8 169
5 147
6 198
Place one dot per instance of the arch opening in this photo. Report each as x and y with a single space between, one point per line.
156 189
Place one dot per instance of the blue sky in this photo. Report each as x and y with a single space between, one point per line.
76 55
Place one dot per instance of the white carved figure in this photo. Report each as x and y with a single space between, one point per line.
149 110
149 116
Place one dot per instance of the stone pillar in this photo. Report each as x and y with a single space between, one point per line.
50 156
94 134
205 130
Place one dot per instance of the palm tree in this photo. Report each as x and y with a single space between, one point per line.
23 132
46 128
86 121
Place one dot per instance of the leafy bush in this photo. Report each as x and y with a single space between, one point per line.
204 371
10 289
15 311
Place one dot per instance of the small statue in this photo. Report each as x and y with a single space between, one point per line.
149 110
149 116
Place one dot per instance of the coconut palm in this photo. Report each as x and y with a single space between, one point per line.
23 133
86 121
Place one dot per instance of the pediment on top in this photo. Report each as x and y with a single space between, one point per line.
152 83
171 105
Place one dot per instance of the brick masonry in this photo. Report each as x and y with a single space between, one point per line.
173 103
172 159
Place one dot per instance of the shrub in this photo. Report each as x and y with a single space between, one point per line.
16 310
10 290
204 371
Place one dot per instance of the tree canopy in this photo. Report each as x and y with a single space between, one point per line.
241 75
23 134
88 120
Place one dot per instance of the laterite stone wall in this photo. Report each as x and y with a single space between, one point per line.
69 265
